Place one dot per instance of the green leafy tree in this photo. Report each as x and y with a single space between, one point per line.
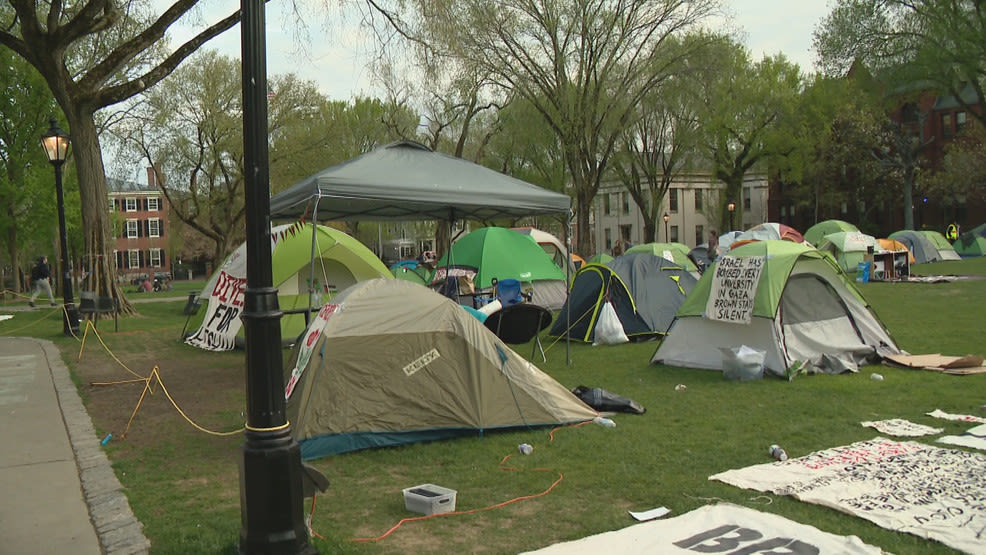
963 172
747 116
94 54
583 65
939 43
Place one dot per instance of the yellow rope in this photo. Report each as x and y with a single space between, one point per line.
156 375
46 316
274 429
90 325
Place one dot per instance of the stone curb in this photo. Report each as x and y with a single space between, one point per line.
119 531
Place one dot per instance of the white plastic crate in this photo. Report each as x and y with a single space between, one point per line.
429 499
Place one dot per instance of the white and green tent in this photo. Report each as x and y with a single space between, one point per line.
309 267
848 248
388 362
786 299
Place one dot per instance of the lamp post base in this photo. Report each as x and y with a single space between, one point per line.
70 320
271 499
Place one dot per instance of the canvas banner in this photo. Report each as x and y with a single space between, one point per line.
722 528
975 438
734 288
928 491
312 334
222 319
902 428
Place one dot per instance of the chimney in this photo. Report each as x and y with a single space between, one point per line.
151 178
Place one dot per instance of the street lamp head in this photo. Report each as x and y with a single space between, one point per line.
55 143
731 206
666 217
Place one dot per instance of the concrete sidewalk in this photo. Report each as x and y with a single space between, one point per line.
58 493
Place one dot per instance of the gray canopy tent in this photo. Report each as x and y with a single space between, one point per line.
406 180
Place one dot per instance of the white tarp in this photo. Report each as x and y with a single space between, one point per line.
928 491
975 438
722 528
734 287
902 428
938 413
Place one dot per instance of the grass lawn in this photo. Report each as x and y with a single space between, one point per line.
183 484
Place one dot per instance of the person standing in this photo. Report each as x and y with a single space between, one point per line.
41 276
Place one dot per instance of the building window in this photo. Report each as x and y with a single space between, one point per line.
407 252
959 120
153 204
946 125
608 236
156 256
607 210
698 201
699 234
625 231
625 198
747 198
674 234
132 229
133 258
112 205
131 204
673 199
153 227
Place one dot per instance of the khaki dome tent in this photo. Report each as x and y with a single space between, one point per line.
804 309
390 362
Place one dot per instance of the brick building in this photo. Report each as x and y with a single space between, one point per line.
140 215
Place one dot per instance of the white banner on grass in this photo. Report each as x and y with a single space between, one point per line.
734 287
902 428
928 491
975 438
722 528
938 413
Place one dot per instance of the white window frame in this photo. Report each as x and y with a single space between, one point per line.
133 258
157 255
154 227
132 232
153 204
131 204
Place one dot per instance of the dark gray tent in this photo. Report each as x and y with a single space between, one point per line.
408 181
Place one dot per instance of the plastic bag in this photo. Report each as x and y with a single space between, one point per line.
742 363
609 329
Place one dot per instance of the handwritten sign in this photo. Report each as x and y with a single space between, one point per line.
222 320
312 334
904 486
734 288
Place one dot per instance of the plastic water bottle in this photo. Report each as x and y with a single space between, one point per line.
778 453
604 422
525 449
106 439
876 377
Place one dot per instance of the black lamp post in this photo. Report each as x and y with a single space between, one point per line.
271 494
732 210
667 218
56 143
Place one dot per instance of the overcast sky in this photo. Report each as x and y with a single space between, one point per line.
336 58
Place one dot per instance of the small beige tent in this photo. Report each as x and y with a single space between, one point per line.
390 362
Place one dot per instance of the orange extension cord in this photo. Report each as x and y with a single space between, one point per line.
551 436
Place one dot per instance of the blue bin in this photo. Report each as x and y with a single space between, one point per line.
863 271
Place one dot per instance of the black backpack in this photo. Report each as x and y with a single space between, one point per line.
36 272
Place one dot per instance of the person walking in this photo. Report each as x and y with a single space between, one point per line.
41 276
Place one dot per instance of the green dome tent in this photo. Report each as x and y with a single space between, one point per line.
817 232
970 245
328 261
804 309
501 253
848 248
922 249
677 251
945 249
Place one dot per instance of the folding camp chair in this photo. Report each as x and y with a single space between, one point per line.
519 323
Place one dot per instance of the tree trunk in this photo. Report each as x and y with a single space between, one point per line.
13 252
88 160
583 203
650 231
